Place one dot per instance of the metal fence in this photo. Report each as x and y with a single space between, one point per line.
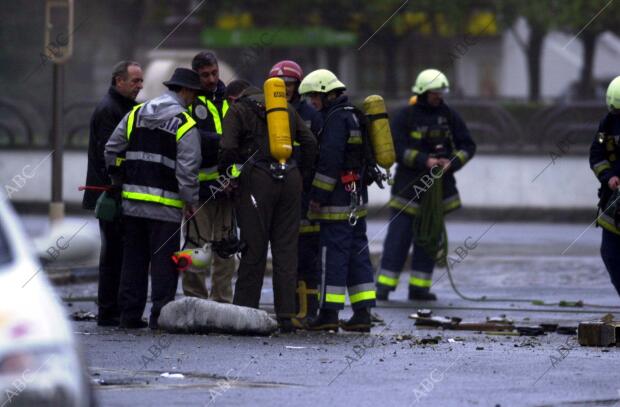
494 127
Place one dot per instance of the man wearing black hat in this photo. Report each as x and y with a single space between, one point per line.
154 153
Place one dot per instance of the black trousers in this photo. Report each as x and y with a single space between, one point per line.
147 242
268 211
110 264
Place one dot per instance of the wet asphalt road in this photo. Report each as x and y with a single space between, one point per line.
393 366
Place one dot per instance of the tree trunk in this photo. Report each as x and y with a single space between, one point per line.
390 78
586 86
534 62
333 59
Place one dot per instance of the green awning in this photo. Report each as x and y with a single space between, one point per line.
276 37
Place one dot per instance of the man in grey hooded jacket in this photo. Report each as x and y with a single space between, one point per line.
154 153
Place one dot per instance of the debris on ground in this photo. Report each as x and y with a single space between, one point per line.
502 319
168 375
549 327
491 326
83 316
605 332
566 330
434 340
405 337
571 303
530 330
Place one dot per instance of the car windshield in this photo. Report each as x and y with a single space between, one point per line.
5 249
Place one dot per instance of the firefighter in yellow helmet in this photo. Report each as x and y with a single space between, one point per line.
430 139
338 201
604 156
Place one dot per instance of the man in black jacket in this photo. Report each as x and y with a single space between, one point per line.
125 85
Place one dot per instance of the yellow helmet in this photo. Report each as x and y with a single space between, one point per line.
321 81
613 94
430 79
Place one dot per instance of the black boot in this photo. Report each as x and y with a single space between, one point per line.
383 292
326 321
133 324
108 321
359 322
287 325
421 294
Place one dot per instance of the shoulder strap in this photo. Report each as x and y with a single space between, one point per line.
255 106
331 114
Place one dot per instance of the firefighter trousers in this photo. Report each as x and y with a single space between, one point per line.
345 266
268 211
395 251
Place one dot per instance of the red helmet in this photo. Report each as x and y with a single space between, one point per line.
288 69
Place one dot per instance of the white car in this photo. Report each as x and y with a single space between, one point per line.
40 359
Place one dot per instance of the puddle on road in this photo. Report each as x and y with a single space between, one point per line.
117 379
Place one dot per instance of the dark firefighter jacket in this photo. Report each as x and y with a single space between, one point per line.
421 131
604 155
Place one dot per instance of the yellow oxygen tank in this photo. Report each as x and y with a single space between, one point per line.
280 141
413 100
380 133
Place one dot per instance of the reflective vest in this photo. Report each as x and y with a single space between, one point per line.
150 159
208 170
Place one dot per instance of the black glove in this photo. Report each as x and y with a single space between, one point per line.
374 175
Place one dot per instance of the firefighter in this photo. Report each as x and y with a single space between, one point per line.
308 271
338 201
604 156
268 201
157 147
213 221
429 137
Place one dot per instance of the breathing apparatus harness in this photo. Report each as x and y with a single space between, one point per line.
359 161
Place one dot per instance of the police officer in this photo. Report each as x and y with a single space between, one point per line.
308 271
338 201
428 137
213 221
604 156
268 203
159 148
120 99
